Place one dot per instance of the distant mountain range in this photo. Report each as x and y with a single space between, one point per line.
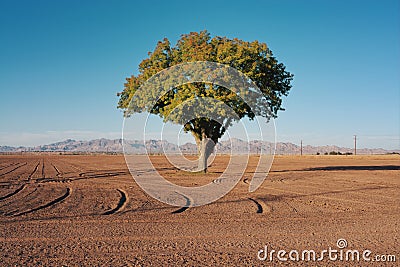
157 146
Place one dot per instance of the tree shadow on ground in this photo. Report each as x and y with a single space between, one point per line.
347 168
356 168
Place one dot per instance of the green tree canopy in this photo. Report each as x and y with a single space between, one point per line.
253 59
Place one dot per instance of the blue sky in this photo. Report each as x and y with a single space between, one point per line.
62 63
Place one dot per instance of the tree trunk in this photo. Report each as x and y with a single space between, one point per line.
205 147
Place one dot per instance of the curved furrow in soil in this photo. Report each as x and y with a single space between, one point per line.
9 165
33 172
52 180
100 171
187 205
69 167
19 189
14 169
43 174
261 206
223 180
100 175
121 203
13 203
59 174
49 204
50 173
258 205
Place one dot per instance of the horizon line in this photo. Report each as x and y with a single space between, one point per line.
151 139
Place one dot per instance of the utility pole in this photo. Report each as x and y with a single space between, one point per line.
355 145
301 148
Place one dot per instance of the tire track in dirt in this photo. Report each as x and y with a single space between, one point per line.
9 165
70 166
51 180
261 206
223 180
19 189
27 197
187 205
49 204
43 169
14 169
59 174
121 204
85 175
33 172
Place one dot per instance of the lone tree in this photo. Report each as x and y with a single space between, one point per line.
253 59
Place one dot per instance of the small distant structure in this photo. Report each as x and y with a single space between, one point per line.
355 145
301 148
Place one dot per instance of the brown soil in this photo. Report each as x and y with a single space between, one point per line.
86 210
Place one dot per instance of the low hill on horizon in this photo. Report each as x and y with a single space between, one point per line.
158 146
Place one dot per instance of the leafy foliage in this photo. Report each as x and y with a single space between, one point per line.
253 59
